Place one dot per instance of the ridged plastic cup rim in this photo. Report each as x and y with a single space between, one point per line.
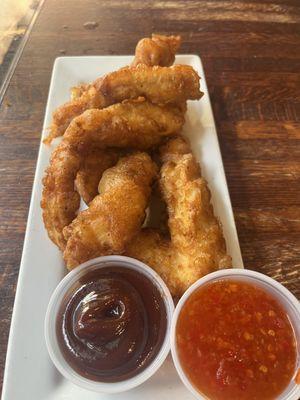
51 315
286 298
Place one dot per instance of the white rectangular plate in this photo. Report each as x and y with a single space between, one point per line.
29 373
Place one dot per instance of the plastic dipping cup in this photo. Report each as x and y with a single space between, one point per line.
53 308
287 300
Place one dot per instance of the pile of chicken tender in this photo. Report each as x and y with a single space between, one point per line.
118 146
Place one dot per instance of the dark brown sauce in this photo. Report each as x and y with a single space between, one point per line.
111 324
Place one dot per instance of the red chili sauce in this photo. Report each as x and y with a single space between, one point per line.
235 341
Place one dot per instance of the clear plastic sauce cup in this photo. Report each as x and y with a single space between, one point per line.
287 300
51 317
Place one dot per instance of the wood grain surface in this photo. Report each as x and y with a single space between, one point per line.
251 56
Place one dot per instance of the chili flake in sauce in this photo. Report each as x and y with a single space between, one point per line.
235 341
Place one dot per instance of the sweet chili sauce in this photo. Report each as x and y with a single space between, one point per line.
235 341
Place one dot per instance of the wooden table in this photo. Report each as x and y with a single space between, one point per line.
251 56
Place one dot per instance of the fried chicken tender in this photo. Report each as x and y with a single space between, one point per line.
115 215
60 200
137 124
160 85
158 50
197 245
88 177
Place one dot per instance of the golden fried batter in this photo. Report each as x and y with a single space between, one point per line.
88 177
60 200
160 85
77 91
197 246
159 50
137 124
115 215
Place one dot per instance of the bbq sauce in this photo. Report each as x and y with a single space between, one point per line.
111 324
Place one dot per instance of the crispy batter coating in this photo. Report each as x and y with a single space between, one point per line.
197 246
115 215
88 177
160 85
159 50
77 91
137 124
60 200
134 123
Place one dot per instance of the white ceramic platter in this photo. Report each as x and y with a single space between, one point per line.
29 373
